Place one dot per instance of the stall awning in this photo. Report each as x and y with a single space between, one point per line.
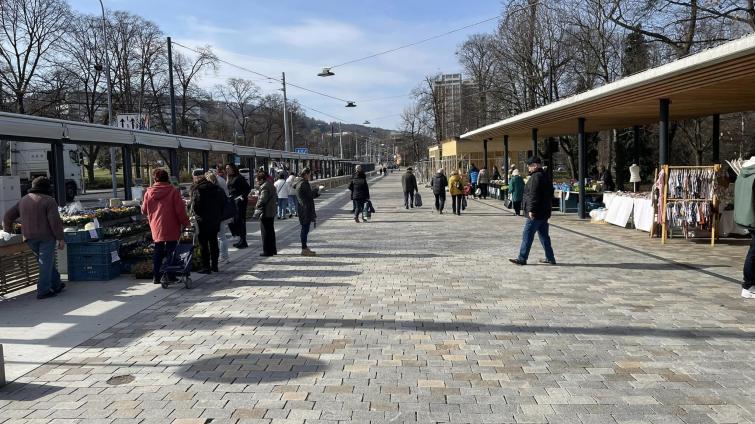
244 151
191 143
221 146
156 140
12 125
92 133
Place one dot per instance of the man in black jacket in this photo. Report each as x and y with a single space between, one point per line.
538 195
409 184
439 184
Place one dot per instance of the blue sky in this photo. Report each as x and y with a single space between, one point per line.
300 37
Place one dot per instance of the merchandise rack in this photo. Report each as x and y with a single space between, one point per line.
663 203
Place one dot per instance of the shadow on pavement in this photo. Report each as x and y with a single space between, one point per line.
265 283
253 368
643 266
26 391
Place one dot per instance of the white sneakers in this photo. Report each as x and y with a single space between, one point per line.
749 294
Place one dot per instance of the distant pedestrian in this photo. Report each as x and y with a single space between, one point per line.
282 191
496 175
292 201
409 185
222 238
42 230
516 191
306 208
483 180
207 201
607 179
360 192
744 215
266 205
474 173
538 195
439 184
166 214
238 189
456 188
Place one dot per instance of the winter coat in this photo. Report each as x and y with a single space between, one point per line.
474 173
409 182
238 187
282 189
358 187
268 200
483 177
439 183
39 215
744 198
290 181
207 201
452 185
538 195
306 201
165 212
516 188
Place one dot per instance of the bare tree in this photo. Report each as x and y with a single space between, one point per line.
188 71
476 55
31 28
414 129
242 98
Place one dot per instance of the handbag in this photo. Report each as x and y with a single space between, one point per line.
508 203
229 209
478 192
370 208
417 200
257 214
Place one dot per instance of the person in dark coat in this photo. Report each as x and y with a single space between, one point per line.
409 185
266 208
360 192
439 184
516 190
607 179
538 195
207 200
305 208
238 189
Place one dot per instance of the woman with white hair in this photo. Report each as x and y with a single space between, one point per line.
439 184
516 191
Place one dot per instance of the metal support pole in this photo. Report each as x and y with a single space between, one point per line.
716 141
506 158
206 161
59 179
534 142
2 368
582 167
340 140
485 154
174 163
636 144
172 89
663 133
137 161
285 116
127 178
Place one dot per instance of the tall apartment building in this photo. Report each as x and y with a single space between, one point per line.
456 104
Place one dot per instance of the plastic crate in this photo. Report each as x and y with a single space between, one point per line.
81 236
87 270
93 248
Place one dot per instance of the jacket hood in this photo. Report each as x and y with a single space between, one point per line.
161 190
747 171
297 182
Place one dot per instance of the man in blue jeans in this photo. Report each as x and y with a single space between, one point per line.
538 195
43 230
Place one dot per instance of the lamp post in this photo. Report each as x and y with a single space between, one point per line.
109 102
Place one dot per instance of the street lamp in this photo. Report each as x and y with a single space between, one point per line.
351 104
326 72
109 103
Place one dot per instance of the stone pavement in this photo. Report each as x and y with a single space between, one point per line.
418 317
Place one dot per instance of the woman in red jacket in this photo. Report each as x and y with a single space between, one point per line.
166 213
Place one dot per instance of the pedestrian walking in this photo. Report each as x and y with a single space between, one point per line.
409 185
538 195
306 208
456 188
265 210
166 214
238 189
516 191
42 230
222 237
292 201
496 174
207 201
282 191
474 173
744 215
483 180
360 192
439 184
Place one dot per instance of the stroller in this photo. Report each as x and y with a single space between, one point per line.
179 263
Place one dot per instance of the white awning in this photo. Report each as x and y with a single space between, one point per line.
92 133
192 143
12 125
156 140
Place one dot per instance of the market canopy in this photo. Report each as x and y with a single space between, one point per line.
716 81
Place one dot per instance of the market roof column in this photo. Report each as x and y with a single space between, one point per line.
174 163
636 144
485 154
206 160
534 142
716 142
127 178
582 166
137 161
506 159
59 177
663 133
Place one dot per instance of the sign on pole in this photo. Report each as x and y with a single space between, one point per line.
132 121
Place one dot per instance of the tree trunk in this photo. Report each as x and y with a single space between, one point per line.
20 103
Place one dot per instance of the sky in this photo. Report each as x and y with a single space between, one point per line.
301 37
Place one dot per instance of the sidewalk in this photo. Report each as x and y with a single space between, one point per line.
419 317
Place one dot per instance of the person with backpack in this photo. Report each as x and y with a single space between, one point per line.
538 195
207 202
360 192
456 188
439 184
474 174
744 215
265 211
516 191
238 189
282 191
409 185
306 208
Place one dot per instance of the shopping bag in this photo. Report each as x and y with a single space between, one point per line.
229 209
478 192
463 202
417 200
369 207
508 203
468 189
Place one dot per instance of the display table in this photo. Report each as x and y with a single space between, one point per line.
622 206
569 200
18 266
